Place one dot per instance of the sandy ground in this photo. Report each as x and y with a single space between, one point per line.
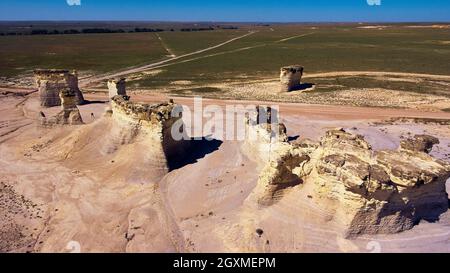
57 204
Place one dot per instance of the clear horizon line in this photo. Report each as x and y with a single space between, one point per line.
226 21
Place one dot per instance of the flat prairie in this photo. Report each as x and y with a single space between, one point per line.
107 185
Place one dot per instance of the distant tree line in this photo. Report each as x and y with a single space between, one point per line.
197 29
147 30
107 30
227 27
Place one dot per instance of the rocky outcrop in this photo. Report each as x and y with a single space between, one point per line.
117 87
420 143
151 123
131 143
264 133
69 115
379 191
51 82
369 191
290 77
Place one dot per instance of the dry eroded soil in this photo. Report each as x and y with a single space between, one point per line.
48 201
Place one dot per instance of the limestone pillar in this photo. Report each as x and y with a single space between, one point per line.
290 77
117 87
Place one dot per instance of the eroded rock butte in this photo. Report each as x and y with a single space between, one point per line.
51 82
290 77
69 115
369 191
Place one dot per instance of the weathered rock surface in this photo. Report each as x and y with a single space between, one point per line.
369 191
20 219
264 133
51 82
69 115
420 143
290 77
128 128
151 123
117 87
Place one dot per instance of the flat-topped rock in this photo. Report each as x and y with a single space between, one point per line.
69 114
150 123
117 87
142 111
290 77
50 82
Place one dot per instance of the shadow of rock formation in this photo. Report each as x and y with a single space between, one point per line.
302 87
197 149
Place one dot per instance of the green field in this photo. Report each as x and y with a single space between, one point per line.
95 52
186 42
325 48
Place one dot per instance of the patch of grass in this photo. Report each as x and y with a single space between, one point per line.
185 42
93 52
345 83
326 49
100 52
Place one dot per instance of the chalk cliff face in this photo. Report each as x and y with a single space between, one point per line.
69 115
146 125
382 191
264 134
290 77
51 82
132 142
369 191
117 87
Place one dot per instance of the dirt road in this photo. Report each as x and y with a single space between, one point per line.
227 52
167 62
97 78
335 112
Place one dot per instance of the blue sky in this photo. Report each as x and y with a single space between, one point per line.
227 10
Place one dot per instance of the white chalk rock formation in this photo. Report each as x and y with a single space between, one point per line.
117 87
264 134
290 77
147 130
69 115
369 191
132 142
51 82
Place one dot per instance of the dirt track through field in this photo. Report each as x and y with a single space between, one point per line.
171 53
165 63
294 37
89 80
227 52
